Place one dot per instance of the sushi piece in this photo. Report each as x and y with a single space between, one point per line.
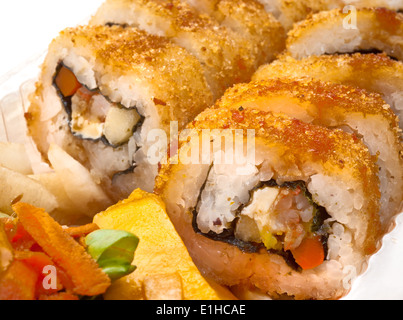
353 110
102 90
299 219
289 12
249 19
226 56
372 72
333 31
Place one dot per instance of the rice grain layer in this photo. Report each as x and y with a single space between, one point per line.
329 32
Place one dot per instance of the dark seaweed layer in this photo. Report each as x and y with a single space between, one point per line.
228 235
66 101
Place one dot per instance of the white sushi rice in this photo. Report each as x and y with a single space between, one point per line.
343 40
223 195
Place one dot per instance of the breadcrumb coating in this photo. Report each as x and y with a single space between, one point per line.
329 99
373 72
227 56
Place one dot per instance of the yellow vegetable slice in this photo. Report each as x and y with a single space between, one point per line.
160 250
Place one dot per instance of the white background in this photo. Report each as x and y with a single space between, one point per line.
28 26
26 29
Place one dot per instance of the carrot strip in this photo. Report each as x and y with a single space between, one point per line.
77 232
88 279
310 253
85 94
67 82
18 282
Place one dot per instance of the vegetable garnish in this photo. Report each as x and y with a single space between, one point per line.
113 250
39 259
310 253
82 231
86 278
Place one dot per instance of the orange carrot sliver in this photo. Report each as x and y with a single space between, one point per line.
67 82
81 231
310 253
88 279
18 282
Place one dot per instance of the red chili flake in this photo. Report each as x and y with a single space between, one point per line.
169 6
237 116
355 138
160 102
28 116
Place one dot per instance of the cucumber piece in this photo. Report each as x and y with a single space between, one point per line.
120 124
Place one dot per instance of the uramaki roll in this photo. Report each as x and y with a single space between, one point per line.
335 106
373 72
300 219
103 89
333 31
227 56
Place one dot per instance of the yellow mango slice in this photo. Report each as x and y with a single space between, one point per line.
160 250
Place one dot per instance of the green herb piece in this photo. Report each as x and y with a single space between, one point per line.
113 250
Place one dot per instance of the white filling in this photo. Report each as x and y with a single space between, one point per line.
223 194
93 116
260 208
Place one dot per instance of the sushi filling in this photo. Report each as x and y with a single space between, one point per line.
279 218
91 115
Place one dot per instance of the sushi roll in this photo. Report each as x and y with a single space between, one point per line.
333 31
103 89
289 12
297 219
249 19
226 56
353 110
372 72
